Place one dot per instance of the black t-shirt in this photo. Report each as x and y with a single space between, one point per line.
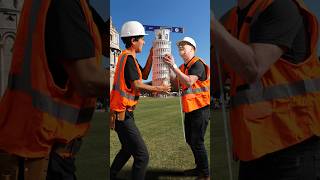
197 69
130 71
280 24
67 36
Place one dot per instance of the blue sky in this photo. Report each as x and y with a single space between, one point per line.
221 6
193 16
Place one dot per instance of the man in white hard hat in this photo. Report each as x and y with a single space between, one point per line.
124 97
194 77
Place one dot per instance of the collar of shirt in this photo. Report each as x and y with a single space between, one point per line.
186 64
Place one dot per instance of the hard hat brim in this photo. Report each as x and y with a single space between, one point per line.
180 41
134 35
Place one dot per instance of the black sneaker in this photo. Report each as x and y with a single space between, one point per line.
192 172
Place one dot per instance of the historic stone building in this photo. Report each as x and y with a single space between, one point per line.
114 51
9 18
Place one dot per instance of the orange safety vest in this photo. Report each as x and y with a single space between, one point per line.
197 95
283 107
122 97
34 112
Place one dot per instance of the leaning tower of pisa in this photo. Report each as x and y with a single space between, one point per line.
161 46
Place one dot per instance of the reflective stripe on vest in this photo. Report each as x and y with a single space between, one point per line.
196 90
48 105
252 96
116 86
124 94
22 82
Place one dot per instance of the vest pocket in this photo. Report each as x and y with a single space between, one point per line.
258 111
304 108
48 128
281 109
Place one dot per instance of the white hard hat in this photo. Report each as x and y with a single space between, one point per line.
132 28
189 40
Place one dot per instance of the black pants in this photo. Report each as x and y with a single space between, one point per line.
298 162
61 168
196 123
132 145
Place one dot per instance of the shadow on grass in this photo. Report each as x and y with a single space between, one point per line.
156 174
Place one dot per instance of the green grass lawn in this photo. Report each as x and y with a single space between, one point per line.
93 157
219 149
159 121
